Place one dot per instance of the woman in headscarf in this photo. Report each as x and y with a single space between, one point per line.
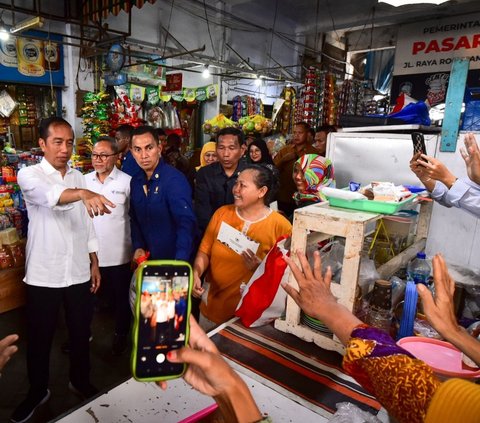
208 154
311 172
258 152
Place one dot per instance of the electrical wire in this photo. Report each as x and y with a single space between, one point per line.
273 33
168 27
362 30
208 27
333 21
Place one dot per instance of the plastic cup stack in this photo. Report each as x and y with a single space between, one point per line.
409 311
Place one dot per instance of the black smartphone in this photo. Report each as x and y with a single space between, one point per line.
162 311
418 143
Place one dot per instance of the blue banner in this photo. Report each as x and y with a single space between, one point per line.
34 58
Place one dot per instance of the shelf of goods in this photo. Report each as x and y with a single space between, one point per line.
319 222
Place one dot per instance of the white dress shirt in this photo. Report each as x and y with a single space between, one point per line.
463 194
113 230
60 237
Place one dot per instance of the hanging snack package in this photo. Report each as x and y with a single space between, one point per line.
7 104
152 96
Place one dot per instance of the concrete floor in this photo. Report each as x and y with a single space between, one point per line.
106 370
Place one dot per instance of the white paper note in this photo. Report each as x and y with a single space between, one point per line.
235 239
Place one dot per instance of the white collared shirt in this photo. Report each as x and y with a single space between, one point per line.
113 230
60 237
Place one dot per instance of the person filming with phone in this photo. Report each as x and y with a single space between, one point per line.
444 186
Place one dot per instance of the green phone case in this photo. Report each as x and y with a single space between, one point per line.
138 286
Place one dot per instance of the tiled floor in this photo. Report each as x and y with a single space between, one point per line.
107 370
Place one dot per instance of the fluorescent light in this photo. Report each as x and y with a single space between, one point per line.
397 3
27 24
4 34
206 72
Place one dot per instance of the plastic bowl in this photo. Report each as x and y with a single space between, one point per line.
441 356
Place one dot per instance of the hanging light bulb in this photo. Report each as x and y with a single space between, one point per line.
206 72
258 81
398 3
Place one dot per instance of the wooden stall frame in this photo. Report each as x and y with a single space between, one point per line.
351 225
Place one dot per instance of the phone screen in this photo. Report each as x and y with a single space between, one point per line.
162 319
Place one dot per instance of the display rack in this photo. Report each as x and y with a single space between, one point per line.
320 221
12 288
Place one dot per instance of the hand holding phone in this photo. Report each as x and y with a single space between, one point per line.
162 311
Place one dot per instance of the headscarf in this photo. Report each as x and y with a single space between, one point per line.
318 172
262 146
207 147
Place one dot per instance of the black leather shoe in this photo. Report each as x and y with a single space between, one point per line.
26 409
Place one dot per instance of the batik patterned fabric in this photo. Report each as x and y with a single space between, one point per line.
318 172
403 384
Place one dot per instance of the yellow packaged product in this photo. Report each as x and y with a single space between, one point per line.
9 236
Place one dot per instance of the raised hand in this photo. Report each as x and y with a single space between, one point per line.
471 155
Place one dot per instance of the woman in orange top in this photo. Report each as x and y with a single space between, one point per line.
225 269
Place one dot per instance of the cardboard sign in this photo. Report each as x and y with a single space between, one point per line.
174 82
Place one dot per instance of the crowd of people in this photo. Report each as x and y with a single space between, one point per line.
143 201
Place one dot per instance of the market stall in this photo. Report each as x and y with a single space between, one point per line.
291 380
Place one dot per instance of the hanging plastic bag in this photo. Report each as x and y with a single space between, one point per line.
332 255
350 413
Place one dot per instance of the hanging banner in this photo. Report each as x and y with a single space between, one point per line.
34 58
137 94
212 91
425 53
174 83
431 46
30 56
8 52
201 94
147 73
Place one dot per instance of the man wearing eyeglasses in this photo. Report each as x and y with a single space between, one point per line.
113 233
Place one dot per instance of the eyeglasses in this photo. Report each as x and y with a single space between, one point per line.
102 157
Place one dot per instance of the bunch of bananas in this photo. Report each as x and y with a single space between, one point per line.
212 126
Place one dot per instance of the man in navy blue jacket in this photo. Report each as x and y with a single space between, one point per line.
161 212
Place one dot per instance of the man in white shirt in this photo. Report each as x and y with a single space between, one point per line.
162 319
61 262
113 234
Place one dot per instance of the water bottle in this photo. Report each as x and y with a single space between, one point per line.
418 269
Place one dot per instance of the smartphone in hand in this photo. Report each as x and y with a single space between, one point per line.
162 311
418 143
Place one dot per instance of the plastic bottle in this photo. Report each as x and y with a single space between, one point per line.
379 311
418 269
